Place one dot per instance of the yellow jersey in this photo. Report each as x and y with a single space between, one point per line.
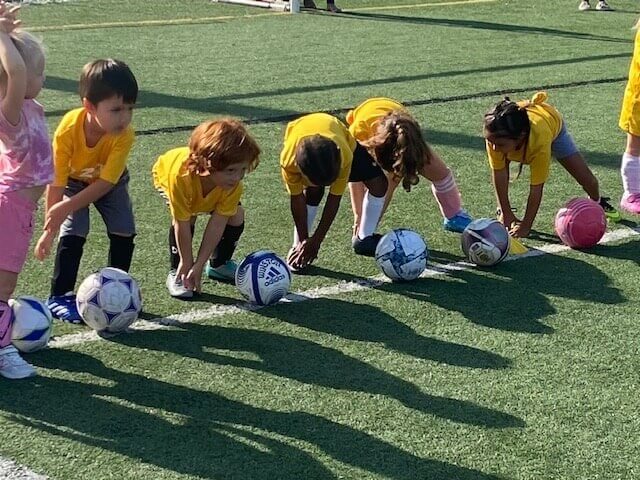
72 158
546 124
364 119
309 125
184 189
630 113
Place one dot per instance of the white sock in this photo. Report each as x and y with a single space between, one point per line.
630 173
312 211
371 212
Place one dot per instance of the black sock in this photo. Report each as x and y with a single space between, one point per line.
226 247
65 270
174 255
120 251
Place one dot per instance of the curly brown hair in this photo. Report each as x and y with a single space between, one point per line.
216 144
399 147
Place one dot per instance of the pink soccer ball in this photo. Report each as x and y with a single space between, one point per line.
581 223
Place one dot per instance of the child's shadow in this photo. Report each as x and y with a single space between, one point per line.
512 296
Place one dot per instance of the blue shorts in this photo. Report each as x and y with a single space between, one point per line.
563 145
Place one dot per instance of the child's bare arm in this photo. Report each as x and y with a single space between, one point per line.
58 211
210 239
501 184
13 65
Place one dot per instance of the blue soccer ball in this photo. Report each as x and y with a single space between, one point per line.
32 324
402 255
263 278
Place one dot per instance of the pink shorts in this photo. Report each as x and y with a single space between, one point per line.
16 229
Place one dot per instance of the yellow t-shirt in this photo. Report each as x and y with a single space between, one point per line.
307 126
184 190
630 113
546 123
363 119
73 159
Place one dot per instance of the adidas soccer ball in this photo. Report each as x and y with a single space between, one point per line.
402 255
32 324
263 278
581 223
109 300
485 242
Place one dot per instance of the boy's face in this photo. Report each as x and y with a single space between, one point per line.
228 178
112 114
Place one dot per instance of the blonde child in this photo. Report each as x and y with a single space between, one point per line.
205 178
26 167
394 139
90 147
530 133
630 123
320 152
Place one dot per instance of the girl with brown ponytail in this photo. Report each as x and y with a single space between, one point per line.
394 139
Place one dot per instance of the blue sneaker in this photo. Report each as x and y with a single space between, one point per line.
458 222
64 308
224 273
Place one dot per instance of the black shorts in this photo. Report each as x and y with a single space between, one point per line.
364 167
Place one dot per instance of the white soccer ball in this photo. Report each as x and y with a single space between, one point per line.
109 300
263 277
485 242
402 255
32 324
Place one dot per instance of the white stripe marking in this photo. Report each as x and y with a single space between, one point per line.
12 471
194 316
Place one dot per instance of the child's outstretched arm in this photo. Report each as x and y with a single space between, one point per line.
501 184
210 239
59 210
13 66
522 229
299 214
309 248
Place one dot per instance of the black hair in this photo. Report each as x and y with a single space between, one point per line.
318 159
102 79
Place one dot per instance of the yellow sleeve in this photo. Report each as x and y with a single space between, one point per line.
340 185
117 158
291 175
228 205
179 198
496 159
540 166
62 154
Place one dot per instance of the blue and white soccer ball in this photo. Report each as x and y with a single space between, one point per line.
485 242
109 300
402 255
263 277
32 324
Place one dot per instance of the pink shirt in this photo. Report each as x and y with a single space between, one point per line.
25 150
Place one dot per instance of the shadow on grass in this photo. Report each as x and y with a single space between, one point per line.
481 25
196 432
625 251
313 364
513 295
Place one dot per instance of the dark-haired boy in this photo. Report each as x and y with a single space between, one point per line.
90 148
320 152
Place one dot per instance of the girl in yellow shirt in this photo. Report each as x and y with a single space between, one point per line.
205 178
530 133
630 123
394 139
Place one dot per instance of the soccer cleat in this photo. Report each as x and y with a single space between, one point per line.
13 366
175 287
331 7
631 203
610 211
458 222
584 5
63 307
603 6
224 273
366 246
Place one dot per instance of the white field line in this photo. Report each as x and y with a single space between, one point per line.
222 18
200 315
12 471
